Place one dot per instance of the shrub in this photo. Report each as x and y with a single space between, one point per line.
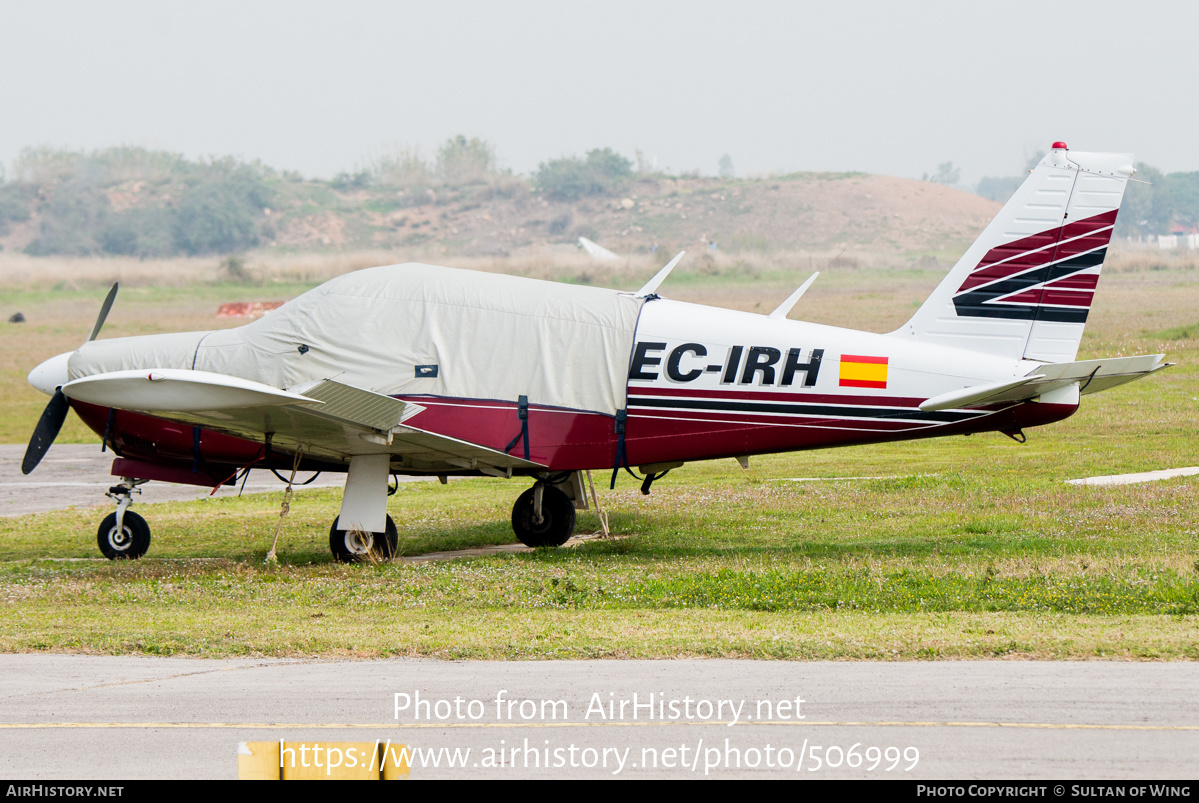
399 166
45 165
140 231
465 161
602 172
12 206
72 220
219 213
560 224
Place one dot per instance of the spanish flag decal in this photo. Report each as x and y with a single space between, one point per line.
863 372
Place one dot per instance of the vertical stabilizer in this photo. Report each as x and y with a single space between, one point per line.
1023 290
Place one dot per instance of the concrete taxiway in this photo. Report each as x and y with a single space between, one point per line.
92 717
77 475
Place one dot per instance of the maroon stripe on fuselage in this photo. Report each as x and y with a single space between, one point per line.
784 420
736 394
571 439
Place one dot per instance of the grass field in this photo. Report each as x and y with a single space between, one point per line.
968 547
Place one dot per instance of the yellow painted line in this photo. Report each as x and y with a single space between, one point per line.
482 725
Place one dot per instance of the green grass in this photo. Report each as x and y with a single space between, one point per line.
967 548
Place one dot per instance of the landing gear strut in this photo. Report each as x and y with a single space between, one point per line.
543 516
352 546
123 534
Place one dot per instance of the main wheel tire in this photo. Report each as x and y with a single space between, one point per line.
350 546
557 518
130 543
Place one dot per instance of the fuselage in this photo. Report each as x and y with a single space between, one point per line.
702 383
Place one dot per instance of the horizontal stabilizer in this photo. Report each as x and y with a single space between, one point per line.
1091 376
974 395
1097 375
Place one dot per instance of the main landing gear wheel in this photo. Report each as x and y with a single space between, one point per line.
129 543
351 546
557 522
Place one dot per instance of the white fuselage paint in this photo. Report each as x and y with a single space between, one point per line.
914 369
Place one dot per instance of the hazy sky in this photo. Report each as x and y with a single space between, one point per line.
885 87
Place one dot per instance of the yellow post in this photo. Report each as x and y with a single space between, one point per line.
397 762
321 761
258 761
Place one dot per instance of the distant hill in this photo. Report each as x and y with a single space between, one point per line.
165 206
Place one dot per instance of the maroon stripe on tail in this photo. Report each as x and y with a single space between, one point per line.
1077 281
1066 298
1037 249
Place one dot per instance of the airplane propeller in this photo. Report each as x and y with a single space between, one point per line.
104 309
49 425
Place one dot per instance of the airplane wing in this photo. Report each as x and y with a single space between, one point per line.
325 418
1091 376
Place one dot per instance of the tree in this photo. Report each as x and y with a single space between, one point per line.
946 174
1182 190
998 188
1146 207
726 166
219 213
602 172
465 161
70 222
399 165
12 206
608 163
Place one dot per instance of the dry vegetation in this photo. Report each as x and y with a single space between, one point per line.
507 216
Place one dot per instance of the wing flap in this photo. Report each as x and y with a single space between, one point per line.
358 406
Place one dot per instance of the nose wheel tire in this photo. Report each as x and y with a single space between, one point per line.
128 543
351 546
557 522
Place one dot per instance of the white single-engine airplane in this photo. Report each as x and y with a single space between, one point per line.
416 369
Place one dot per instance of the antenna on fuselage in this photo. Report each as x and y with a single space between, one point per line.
651 286
785 307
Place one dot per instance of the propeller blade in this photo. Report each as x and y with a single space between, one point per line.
112 295
46 431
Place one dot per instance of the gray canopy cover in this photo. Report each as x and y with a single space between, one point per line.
479 336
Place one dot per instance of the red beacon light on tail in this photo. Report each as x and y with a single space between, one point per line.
1060 146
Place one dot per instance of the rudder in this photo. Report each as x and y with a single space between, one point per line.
1024 288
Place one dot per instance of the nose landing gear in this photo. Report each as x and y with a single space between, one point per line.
123 534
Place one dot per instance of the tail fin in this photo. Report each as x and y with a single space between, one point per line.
1024 288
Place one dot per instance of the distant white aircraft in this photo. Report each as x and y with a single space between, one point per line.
416 369
597 251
